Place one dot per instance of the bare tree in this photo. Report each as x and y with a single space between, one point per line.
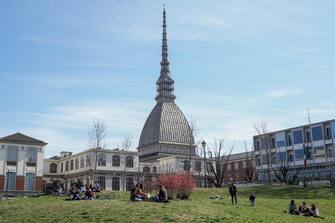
221 159
249 170
97 134
127 142
265 144
283 168
192 147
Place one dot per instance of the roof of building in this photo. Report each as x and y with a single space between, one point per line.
166 124
20 138
296 127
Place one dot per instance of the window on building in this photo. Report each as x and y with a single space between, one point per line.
129 183
281 157
229 167
290 156
258 145
10 181
71 164
116 160
264 159
289 139
82 162
186 165
154 169
328 132
88 160
308 136
330 151
30 182
53 167
236 166
12 153
61 167
115 183
67 165
129 161
76 163
319 152
198 166
102 159
297 137
146 169
317 133
102 182
273 145
31 154
299 154
244 164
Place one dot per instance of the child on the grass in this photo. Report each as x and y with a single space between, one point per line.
252 198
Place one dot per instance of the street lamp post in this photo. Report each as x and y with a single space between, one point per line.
205 166
7 184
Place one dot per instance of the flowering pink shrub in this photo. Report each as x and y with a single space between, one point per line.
179 184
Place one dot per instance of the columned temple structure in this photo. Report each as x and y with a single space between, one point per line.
166 131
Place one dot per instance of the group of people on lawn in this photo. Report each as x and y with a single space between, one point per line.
303 209
138 194
84 193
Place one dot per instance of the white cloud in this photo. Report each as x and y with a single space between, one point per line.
280 93
214 22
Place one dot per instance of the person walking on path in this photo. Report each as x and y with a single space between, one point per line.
233 193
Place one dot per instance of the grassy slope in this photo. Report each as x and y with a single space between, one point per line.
270 203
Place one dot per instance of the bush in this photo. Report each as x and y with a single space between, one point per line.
178 185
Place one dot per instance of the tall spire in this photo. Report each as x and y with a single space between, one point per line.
165 83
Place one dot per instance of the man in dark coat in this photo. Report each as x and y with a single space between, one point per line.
233 193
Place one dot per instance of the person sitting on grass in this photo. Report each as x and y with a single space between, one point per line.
252 198
133 196
76 194
162 195
139 192
89 194
303 209
314 211
292 208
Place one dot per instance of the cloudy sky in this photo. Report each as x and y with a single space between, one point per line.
65 63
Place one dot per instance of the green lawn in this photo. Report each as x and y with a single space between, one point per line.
270 204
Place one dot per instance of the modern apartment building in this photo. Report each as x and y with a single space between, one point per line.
21 164
307 151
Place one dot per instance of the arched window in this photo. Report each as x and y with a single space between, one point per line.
82 162
129 161
53 168
198 166
102 159
71 164
187 165
76 163
67 165
146 169
88 160
116 160
154 169
61 167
